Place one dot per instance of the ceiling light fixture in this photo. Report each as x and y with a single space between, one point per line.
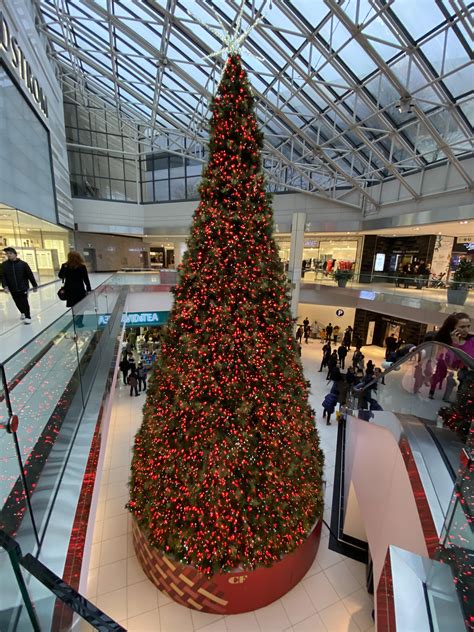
404 106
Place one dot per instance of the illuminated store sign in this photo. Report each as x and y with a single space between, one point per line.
137 319
10 47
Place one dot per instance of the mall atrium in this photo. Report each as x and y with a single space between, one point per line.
236 348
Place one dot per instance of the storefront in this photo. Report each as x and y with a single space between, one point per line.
324 254
384 258
463 248
373 328
42 244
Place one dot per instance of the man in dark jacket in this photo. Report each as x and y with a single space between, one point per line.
342 352
16 279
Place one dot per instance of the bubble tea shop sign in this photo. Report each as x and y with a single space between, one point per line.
12 51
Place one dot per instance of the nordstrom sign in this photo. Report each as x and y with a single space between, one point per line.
10 47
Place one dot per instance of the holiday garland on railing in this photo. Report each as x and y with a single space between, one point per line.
226 471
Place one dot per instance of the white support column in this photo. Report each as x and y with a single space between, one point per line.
296 258
179 250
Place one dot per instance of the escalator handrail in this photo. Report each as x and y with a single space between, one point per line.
464 357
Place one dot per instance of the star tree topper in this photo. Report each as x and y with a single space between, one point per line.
231 40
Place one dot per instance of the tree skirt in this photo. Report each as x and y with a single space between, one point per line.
226 593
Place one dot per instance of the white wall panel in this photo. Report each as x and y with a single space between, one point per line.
21 19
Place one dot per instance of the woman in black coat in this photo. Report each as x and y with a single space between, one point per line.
76 282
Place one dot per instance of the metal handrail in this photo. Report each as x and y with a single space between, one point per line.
64 592
468 361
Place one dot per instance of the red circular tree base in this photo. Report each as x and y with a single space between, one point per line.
226 593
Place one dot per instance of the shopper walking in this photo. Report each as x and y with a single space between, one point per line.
347 340
299 334
332 364
450 384
419 378
133 381
307 333
342 353
141 374
358 360
439 375
16 278
391 345
329 330
326 356
74 275
124 367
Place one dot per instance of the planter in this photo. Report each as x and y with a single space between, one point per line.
457 296
225 593
342 282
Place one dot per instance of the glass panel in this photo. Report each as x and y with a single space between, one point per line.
178 189
161 191
419 22
117 189
192 185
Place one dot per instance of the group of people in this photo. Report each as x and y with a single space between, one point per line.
417 272
17 277
132 375
361 383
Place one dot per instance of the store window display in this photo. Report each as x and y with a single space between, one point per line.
39 243
321 258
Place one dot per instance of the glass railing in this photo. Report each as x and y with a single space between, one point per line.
430 381
414 291
46 437
145 277
40 592
432 384
457 543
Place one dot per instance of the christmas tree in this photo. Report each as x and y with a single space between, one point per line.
226 471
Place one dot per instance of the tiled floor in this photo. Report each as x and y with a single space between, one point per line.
330 598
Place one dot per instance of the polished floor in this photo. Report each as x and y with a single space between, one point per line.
330 598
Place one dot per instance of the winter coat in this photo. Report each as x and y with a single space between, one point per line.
124 365
17 276
132 379
76 283
329 403
342 352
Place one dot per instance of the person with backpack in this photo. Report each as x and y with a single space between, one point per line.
16 278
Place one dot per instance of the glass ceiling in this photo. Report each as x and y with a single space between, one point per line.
349 92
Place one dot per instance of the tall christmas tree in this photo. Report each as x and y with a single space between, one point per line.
226 471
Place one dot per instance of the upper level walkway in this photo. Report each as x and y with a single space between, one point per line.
425 305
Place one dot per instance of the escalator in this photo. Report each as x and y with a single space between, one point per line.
402 473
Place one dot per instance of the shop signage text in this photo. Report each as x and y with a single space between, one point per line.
138 318
10 47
